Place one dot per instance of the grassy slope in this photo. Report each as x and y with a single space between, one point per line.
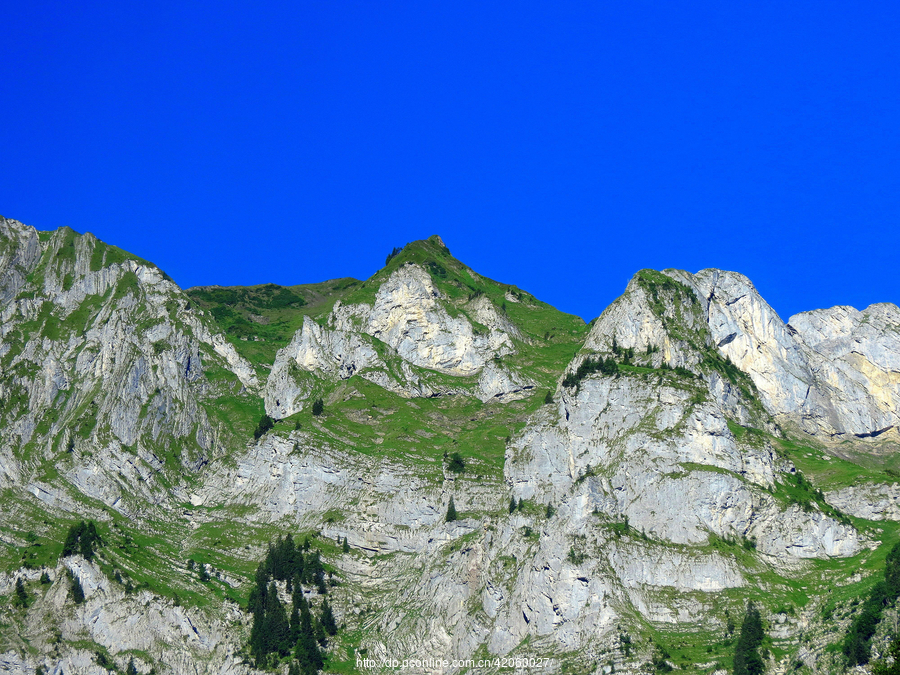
260 320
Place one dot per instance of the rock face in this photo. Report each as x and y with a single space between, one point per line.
872 502
647 489
408 317
834 371
408 331
141 624
99 348
856 358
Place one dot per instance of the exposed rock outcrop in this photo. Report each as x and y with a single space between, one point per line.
408 331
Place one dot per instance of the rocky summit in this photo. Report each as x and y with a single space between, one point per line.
438 472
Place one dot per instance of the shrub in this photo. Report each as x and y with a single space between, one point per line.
318 407
456 463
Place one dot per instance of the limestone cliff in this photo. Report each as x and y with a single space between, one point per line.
409 331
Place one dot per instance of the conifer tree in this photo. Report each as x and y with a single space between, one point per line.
747 660
81 538
277 628
70 545
297 595
321 638
451 511
21 597
327 620
77 590
265 425
294 624
346 547
512 504
307 651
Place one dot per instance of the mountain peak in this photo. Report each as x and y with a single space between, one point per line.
436 239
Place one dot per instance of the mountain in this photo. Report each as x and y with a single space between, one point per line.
684 453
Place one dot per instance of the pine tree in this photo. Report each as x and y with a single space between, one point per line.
277 628
321 638
346 547
327 620
131 670
548 399
70 545
81 538
512 504
451 511
92 534
265 425
294 625
298 569
257 606
21 598
747 660
307 651
550 510
85 547
77 590
456 464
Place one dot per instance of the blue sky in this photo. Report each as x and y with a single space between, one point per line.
557 146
